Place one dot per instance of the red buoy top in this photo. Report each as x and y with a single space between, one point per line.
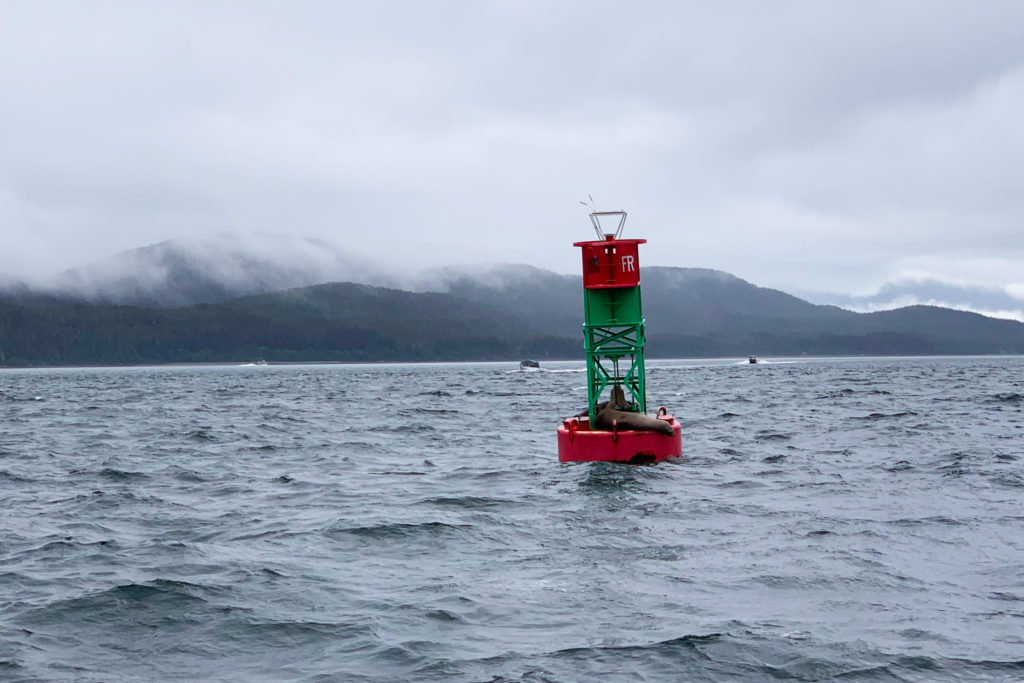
610 263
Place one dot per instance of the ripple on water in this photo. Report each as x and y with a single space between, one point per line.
831 519
390 531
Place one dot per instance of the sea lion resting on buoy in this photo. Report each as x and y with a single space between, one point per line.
618 402
611 415
609 418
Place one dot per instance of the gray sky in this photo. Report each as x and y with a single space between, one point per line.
801 145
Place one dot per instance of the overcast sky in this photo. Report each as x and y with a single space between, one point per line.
801 145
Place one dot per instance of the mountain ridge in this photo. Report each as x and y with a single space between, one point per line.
995 302
502 311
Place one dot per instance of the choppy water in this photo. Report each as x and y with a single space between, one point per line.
850 519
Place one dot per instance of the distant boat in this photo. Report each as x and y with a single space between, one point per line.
753 359
528 364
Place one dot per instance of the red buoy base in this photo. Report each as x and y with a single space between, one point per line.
577 442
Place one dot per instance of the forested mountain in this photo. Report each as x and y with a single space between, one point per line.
341 321
501 313
208 269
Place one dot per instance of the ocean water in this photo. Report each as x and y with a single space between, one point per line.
831 519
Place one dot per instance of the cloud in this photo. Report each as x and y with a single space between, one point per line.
961 268
921 287
820 145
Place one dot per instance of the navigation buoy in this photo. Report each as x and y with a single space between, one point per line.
615 427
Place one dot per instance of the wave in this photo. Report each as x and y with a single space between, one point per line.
469 502
125 604
400 530
1008 398
766 435
885 416
115 474
726 656
8 476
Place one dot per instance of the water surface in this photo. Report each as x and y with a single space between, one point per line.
853 519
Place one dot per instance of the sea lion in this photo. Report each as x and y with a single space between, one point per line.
609 418
617 401
601 406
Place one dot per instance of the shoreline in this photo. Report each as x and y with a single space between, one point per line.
763 360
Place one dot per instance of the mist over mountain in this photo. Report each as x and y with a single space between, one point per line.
209 270
550 300
178 302
989 301
704 312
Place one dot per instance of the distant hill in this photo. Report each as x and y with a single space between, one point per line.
186 308
689 313
989 301
339 321
703 312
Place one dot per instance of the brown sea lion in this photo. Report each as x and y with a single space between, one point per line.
620 419
600 406
617 398
617 401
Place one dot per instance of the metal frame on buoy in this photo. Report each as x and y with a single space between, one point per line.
613 344
613 323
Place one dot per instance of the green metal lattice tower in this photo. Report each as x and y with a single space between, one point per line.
613 322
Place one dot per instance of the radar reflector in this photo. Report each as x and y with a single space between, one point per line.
603 220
